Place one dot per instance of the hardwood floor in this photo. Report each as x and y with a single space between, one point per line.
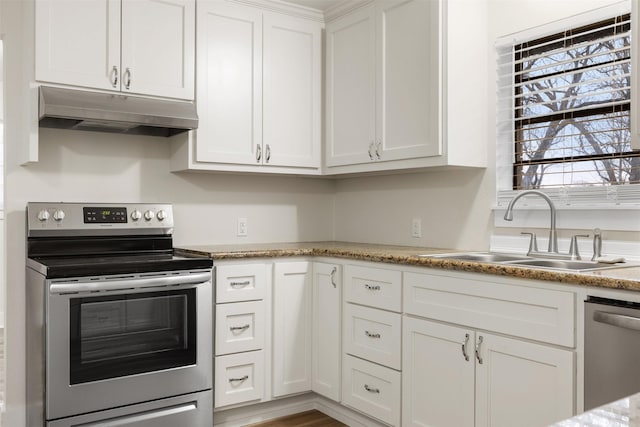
303 419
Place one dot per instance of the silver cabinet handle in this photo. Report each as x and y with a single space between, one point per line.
239 328
237 284
619 320
114 76
333 276
372 287
378 145
127 78
258 153
370 335
478 346
267 153
241 379
464 347
371 389
370 148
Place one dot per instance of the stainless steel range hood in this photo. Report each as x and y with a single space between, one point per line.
103 112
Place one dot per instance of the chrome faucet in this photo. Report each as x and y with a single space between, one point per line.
553 235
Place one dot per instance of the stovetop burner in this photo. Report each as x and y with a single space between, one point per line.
96 239
60 267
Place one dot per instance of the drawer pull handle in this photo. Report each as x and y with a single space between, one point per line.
464 347
370 335
372 287
237 284
478 347
237 380
239 328
371 389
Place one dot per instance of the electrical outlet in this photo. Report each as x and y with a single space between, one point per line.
416 227
242 227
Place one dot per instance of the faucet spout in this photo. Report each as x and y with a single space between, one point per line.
553 235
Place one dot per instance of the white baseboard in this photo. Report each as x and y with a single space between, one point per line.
260 412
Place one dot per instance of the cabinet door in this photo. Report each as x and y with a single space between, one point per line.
438 375
351 86
78 42
292 287
523 384
229 83
291 92
408 115
158 47
326 354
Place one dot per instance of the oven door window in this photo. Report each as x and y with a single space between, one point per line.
131 334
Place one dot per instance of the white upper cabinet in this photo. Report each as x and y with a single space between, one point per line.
291 92
407 121
259 92
229 83
351 88
78 42
116 45
158 47
396 97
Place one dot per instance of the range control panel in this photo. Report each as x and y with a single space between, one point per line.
77 219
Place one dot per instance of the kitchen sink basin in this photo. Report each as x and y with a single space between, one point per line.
562 264
492 257
528 261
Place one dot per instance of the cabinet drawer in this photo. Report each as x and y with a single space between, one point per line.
239 378
239 327
242 282
372 389
373 335
533 313
375 287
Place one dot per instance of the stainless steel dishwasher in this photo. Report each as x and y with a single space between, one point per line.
611 350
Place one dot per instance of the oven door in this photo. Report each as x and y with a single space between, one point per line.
116 341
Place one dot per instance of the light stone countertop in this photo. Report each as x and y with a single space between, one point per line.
627 278
621 413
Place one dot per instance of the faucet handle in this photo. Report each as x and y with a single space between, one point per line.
573 247
533 242
597 244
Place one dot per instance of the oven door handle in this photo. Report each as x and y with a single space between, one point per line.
145 417
177 282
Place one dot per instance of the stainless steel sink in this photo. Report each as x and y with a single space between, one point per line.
491 257
570 265
527 261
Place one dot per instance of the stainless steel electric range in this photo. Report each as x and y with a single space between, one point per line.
119 328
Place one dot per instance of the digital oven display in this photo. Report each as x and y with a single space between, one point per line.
108 215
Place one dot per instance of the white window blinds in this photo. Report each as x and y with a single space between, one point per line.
564 113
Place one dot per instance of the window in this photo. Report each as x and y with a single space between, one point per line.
564 95
571 108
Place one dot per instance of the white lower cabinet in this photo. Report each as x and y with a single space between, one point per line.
240 333
239 378
459 377
292 290
372 389
327 323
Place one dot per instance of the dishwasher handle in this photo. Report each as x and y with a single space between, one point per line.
619 320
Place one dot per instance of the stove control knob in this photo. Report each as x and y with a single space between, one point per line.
162 215
148 215
43 215
58 215
136 215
